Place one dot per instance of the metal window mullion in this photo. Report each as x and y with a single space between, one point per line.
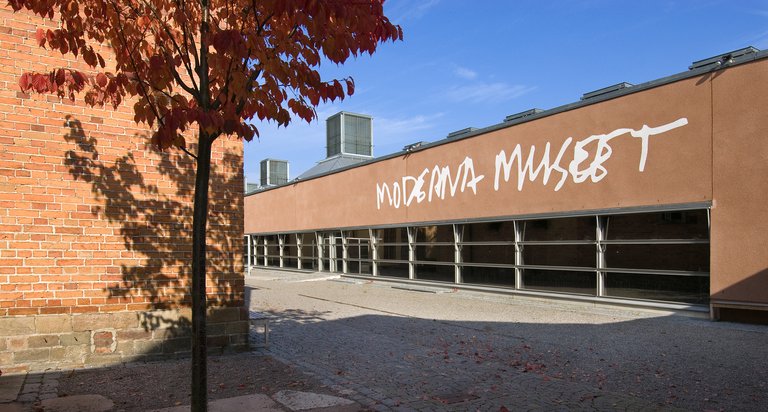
411 253
656 242
344 253
374 252
601 233
255 250
658 272
518 229
553 267
490 265
299 253
557 242
249 253
264 250
458 234
342 135
499 243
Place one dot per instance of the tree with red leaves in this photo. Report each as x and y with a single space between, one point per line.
214 64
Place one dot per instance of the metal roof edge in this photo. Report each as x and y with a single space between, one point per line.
349 113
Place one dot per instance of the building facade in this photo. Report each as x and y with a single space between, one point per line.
650 194
95 228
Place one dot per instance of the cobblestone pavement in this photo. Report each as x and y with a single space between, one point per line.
39 386
392 349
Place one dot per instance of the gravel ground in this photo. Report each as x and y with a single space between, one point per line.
143 386
391 349
412 349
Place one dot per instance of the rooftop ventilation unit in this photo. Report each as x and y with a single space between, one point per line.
721 59
413 146
274 172
520 115
349 134
461 132
606 90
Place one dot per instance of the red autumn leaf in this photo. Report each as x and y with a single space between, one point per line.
41 83
40 37
101 80
350 86
24 82
90 57
61 77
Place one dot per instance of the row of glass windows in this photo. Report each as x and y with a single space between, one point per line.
660 256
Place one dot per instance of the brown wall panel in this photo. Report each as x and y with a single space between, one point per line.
740 212
677 169
271 210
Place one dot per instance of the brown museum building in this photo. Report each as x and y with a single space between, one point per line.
653 195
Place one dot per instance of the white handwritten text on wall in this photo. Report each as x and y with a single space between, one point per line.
440 182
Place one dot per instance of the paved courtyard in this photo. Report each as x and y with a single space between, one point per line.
396 349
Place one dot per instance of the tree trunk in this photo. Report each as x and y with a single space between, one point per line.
199 225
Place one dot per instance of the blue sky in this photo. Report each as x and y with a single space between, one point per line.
472 62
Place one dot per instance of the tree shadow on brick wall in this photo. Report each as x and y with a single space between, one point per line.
146 197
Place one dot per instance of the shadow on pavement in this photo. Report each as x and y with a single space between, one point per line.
658 363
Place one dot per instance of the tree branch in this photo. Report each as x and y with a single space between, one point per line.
184 149
191 90
144 90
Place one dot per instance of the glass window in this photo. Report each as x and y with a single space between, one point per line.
435 253
358 244
686 289
290 239
358 249
569 228
493 276
393 252
273 250
430 234
501 254
584 283
391 235
290 251
307 238
440 273
309 263
290 262
489 232
359 268
247 251
560 255
392 269
691 257
308 245
689 224
258 250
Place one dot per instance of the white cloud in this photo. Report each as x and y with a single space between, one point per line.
465 73
399 11
391 134
482 92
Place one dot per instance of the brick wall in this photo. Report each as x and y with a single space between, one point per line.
95 227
